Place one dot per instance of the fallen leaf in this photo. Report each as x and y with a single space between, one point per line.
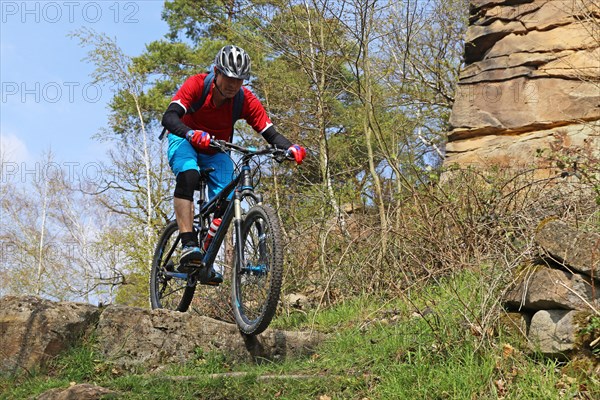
507 350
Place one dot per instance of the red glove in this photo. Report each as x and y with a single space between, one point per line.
199 140
298 152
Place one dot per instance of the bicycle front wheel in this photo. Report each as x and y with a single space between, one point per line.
256 280
166 289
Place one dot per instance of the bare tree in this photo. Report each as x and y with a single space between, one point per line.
360 18
116 69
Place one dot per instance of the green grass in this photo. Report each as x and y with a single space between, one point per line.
378 349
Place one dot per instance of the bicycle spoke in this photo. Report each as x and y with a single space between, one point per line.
258 281
163 294
166 291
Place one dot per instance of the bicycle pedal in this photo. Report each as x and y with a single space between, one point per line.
190 267
207 276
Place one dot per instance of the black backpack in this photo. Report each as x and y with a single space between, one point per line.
238 102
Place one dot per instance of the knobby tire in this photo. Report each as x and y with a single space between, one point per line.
168 292
256 286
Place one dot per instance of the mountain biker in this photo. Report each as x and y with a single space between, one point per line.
190 134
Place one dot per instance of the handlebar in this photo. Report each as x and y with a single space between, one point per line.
277 153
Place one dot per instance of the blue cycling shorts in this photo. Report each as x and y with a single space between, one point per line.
183 157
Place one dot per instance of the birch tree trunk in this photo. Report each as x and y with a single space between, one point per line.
365 21
40 249
149 205
319 80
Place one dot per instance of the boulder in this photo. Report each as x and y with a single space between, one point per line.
554 332
543 288
34 330
296 300
129 336
561 297
575 250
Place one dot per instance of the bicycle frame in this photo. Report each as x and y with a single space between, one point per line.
258 259
233 211
241 186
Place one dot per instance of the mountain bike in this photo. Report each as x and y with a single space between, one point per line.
257 267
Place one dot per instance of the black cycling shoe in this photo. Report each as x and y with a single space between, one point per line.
208 276
191 256
217 278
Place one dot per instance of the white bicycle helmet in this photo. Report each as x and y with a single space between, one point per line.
233 62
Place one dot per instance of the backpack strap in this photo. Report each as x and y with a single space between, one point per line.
208 80
162 134
238 102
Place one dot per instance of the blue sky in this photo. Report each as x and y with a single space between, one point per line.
47 97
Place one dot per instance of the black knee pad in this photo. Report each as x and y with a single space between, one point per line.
186 183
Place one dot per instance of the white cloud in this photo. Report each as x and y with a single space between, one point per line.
13 149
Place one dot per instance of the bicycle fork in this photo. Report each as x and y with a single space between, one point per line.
237 224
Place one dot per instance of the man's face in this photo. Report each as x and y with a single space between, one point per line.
229 86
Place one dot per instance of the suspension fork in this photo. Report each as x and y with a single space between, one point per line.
246 190
237 225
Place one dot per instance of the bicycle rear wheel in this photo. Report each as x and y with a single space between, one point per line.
256 280
168 291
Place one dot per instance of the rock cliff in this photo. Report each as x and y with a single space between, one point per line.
532 72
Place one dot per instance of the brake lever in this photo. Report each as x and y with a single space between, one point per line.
280 156
215 143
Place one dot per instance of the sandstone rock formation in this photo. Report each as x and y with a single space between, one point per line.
532 72
552 301
35 330
160 337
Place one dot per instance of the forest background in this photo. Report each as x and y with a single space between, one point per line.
366 86
401 258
